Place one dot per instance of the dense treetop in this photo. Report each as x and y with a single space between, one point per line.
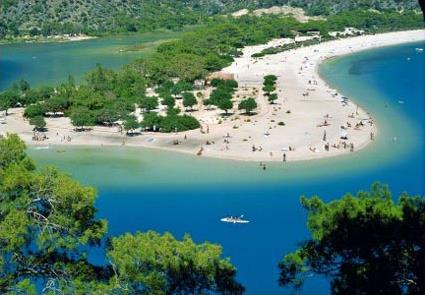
160 262
46 220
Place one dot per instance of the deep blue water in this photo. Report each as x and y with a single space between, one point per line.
377 79
142 190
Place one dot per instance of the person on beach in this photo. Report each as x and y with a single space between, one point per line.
327 147
199 153
284 157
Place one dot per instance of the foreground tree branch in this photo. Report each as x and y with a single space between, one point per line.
366 244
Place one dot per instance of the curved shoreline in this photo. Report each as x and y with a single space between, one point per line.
301 129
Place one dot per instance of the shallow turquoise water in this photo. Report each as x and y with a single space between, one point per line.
51 63
147 189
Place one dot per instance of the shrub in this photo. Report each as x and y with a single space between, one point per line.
38 122
34 110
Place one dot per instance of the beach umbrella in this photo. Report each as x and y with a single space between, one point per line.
343 134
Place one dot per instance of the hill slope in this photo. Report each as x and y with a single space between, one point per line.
18 17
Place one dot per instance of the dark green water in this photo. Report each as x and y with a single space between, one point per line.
51 63
145 189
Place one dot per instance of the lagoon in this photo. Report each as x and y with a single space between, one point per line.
50 63
144 189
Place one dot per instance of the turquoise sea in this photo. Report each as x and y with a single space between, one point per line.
147 189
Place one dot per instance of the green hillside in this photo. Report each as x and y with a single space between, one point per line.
50 17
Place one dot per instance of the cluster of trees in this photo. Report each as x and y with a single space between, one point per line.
108 97
365 243
269 88
20 93
171 122
104 99
222 95
48 225
168 91
214 46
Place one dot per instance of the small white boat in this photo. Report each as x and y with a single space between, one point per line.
234 219
42 148
419 49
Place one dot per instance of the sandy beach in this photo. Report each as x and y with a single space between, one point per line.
48 39
318 121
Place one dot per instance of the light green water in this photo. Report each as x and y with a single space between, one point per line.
51 63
